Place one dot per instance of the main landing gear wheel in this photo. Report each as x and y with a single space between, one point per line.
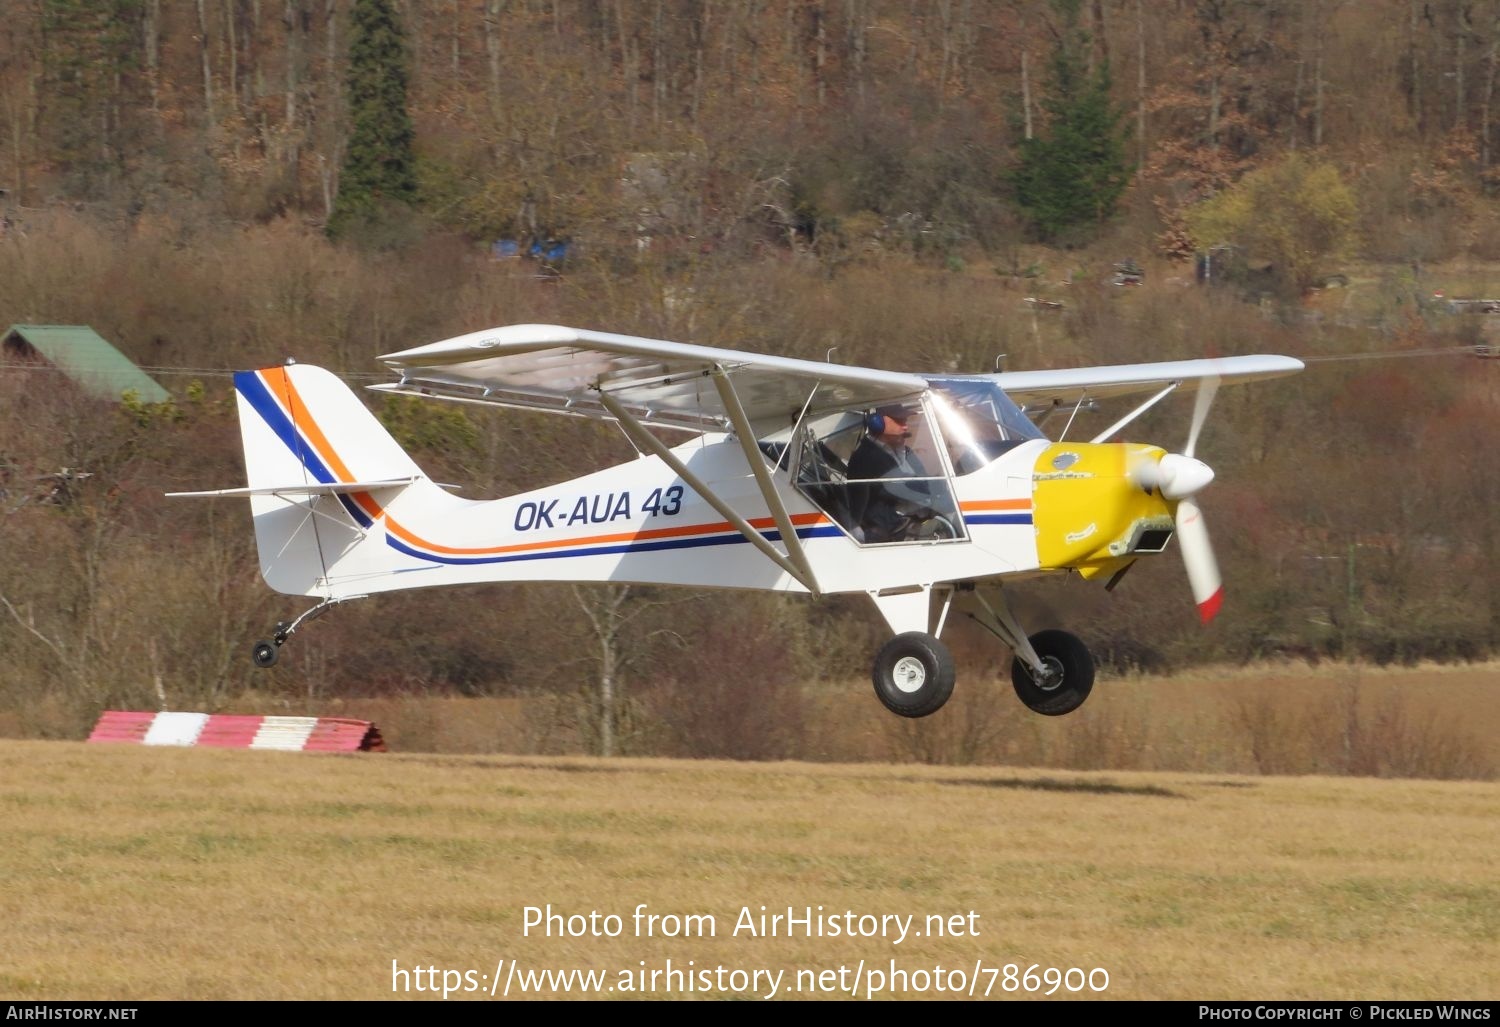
913 674
1068 679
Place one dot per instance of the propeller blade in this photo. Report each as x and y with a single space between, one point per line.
1205 399
1198 558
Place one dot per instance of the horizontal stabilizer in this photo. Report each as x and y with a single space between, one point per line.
337 488
320 472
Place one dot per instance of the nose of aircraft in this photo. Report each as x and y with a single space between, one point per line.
1175 476
1182 476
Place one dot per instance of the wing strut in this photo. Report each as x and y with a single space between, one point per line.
1137 412
746 435
646 439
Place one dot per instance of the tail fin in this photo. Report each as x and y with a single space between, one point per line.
321 469
300 423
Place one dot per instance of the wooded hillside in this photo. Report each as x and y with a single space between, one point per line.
724 123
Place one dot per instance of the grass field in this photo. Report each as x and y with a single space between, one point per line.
1430 721
148 873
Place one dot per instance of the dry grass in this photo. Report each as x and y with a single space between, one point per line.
142 873
1433 721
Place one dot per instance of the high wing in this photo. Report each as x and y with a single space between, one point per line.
1036 389
658 383
638 382
667 384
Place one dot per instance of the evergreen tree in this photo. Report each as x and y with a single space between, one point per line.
90 109
379 171
1071 175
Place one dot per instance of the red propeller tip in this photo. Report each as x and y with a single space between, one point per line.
1209 608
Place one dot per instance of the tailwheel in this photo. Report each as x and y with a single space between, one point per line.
1066 681
264 653
914 674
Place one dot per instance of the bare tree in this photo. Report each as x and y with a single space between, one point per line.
493 10
1414 61
151 36
208 76
1140 86
615 614
1492 32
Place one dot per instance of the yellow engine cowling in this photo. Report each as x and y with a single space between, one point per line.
1089 515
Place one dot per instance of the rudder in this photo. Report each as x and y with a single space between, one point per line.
300 425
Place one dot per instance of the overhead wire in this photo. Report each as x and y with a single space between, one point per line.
374 376
191 372
1441 351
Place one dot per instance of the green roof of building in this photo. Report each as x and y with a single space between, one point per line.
80 353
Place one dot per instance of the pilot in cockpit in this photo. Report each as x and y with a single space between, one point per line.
888 510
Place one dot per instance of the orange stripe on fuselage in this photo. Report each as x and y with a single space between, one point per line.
978 505
798 520
303 419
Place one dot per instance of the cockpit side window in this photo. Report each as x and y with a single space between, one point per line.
879 474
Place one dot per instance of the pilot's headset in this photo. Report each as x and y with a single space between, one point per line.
875 423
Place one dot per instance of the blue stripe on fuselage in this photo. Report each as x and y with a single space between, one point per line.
656 545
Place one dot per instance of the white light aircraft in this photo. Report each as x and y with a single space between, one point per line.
926 492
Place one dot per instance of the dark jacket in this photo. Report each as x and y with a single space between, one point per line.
881 509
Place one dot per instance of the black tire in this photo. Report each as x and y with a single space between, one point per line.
1068 656
264 654
913 674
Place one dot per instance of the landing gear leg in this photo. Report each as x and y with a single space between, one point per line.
264 653
1052 671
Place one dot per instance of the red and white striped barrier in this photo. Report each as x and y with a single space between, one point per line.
229 731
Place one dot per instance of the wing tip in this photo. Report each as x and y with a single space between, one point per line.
476 345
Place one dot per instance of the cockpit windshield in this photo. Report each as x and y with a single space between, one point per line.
979 421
